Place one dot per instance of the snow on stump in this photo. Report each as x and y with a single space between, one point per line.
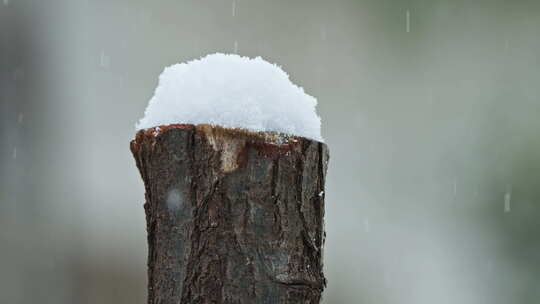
234 215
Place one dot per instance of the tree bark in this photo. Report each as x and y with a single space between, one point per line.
232 216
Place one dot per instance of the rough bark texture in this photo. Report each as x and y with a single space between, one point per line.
232 216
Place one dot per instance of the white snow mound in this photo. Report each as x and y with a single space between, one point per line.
233 92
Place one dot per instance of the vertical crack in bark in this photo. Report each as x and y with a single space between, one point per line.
275 195
301 200
321 179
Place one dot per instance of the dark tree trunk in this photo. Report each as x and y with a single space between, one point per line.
232 216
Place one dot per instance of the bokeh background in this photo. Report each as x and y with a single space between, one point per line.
430 108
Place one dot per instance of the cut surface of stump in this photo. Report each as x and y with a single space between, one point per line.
232 216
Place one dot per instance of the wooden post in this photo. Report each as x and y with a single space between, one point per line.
232 216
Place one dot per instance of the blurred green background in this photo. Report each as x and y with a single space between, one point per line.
430 109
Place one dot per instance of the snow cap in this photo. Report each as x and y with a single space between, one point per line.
233 92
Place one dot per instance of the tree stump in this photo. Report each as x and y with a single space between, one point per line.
232 216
